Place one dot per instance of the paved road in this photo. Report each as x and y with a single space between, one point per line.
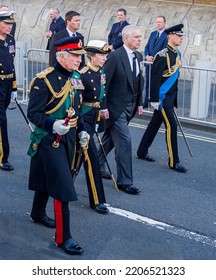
174 217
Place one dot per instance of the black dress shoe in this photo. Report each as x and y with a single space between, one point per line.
101 208
45 221
7 166
106 175
179 168
129 189
146 157
71 247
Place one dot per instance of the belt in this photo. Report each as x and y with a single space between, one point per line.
9 76
73 122
92 104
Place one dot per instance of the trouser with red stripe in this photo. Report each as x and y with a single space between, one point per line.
62 219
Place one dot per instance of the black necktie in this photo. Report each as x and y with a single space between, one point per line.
134 66
156 38
73 35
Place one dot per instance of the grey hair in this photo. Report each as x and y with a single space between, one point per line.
65 54
128 29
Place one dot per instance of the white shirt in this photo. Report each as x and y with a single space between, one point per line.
130 54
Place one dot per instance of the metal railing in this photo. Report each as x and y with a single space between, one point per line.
196 87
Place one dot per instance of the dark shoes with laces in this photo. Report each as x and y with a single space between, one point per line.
100 208
71 247
179 168
146 157
130 189
6 166
45 221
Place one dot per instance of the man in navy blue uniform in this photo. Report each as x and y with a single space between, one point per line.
164 88
8 86
57 24
115 35
156 42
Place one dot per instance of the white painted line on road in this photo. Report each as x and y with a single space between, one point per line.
188 135
166 227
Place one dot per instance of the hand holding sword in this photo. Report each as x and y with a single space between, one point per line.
62 127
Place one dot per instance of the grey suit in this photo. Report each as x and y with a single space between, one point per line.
122 102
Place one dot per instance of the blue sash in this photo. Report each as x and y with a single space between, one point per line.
166 86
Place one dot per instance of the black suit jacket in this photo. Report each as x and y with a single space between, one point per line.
119 84
53 49
56 26
115 35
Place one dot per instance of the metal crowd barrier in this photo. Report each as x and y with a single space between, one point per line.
196 96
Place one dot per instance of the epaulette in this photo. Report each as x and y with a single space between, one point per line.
10 35
84 70
163 52
44 73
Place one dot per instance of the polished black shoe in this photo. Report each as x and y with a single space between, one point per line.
6 166
71 247
146 157
179 168
45 221
101 208
106 175
129 189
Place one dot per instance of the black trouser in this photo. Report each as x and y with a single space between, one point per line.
61 212
5 97
167 116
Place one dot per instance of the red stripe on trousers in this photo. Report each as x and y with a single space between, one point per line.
59 221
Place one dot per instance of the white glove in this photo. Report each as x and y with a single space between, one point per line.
96 127
60 128
155 105
14 94
84 139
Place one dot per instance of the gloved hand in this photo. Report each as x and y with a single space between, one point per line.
155 105
96 127
60 128
14 94
84 139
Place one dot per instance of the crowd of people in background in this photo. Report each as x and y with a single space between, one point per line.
90 87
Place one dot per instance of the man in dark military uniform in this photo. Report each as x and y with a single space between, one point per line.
8 86
93 78
164 86
54 106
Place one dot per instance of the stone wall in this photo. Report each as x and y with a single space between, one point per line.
97 17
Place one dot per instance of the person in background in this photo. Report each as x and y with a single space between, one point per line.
124 86
115 35
8 85
57 24
54 109
93 78
72 19
164 88
156 42
6 8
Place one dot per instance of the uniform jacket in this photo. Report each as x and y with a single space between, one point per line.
7 54
115 35
119 84
53 50
158 67
152 46
51 168
56 26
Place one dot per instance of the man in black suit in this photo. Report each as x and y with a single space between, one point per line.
57 24
124 86
115 35
72 19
